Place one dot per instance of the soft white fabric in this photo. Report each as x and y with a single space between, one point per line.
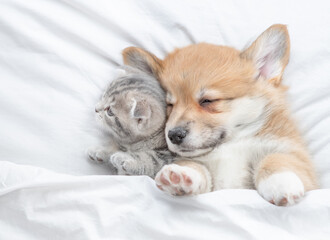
40 204
56 57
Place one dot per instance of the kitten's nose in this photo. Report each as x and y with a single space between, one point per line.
98 108
176 135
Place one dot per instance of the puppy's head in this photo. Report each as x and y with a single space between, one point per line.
216 93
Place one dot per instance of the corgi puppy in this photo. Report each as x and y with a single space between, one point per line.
228 119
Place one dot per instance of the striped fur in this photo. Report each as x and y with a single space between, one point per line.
133 111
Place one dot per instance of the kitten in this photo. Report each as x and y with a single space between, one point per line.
133 111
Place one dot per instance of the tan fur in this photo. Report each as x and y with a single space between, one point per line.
256 44
232 74
299 164
132 52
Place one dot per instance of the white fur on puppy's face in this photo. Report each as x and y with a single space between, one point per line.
244 116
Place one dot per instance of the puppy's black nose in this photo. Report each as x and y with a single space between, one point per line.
176 135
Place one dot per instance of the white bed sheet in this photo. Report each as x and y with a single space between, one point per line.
39 204
56 57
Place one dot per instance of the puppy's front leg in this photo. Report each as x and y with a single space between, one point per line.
282 179
184 177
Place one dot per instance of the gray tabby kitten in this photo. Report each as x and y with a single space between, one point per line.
133 111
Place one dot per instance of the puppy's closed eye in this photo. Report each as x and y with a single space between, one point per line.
206 102
169 105
169 108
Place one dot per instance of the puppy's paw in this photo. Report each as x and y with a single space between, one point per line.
124 163
98 154
282 189
180 180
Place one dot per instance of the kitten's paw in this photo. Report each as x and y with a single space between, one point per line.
97 154
124 163
282 189
180 180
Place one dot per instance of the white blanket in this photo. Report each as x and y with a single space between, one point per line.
38 204
56 57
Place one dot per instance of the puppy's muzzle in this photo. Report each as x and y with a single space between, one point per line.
177 135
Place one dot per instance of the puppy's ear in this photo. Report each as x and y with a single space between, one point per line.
270 53
142 60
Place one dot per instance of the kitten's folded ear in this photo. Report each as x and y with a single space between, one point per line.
142 60
270 53
140 109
